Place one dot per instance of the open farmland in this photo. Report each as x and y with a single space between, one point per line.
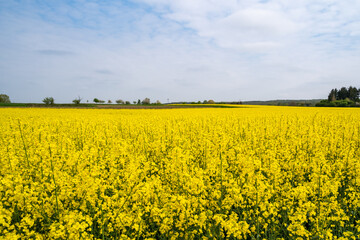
224 173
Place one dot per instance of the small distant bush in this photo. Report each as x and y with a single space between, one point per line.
119 101
146 101
77 100
342 103
331 104
48 100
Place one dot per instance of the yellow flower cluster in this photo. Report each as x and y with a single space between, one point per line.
224 173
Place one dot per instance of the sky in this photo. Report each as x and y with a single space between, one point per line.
177 50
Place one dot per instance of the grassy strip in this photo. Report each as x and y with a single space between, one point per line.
118 106
13 105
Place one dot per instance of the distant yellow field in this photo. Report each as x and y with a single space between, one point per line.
224 173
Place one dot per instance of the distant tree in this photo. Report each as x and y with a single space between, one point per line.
109 101
77 100
127 103
158 102
48 100
101 101
199 102
96 100
205 102
119 101
336 91
134 102
343 93
4 98
353 94
138 102
211 102
146 101
332 95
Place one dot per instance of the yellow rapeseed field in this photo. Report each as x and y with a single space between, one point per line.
224 173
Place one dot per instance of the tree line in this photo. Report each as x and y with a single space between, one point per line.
146 101
4 98
351 93
343 97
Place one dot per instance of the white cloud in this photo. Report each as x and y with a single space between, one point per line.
231 23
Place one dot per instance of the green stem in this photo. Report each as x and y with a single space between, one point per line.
53 177
25 148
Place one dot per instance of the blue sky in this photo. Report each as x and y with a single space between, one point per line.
181 50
